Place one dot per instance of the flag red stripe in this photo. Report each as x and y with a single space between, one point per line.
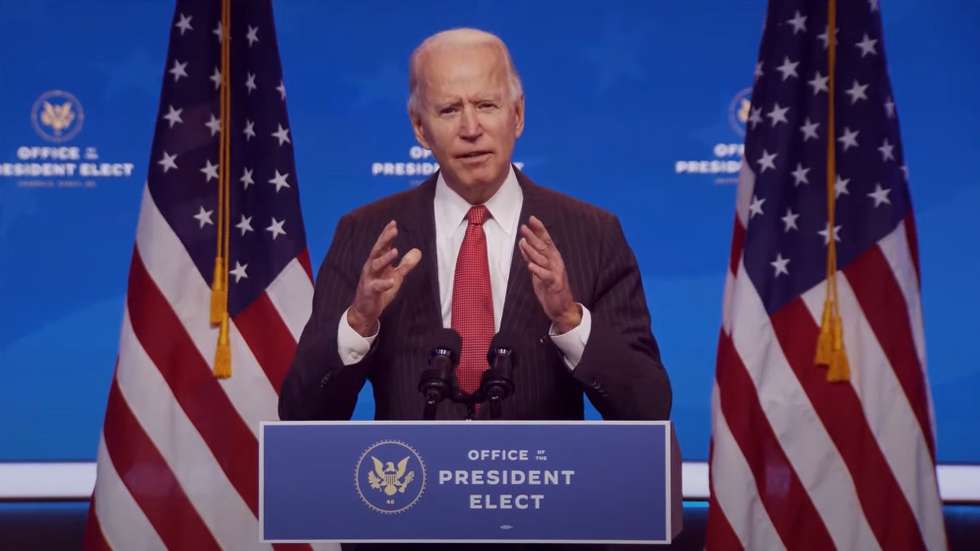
268 338
304 259
789 506
839 408
738 240
881 299
913 240
189 376
94 538
719 534
149 479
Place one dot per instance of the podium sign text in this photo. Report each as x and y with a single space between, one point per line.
466 481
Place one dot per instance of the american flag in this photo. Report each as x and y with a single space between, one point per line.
798 462
178 454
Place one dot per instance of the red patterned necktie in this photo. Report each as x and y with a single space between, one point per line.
473 301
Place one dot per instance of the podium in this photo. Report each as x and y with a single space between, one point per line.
469 482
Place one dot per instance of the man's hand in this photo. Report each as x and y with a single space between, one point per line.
548 276
380 281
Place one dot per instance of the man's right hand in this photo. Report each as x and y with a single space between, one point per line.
380 281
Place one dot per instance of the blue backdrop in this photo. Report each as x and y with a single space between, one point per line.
634 106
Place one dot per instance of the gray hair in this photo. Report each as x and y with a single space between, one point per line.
462 36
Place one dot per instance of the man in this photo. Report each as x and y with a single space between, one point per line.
479 248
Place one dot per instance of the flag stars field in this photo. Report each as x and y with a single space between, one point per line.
281 134
178 70
275 228
203 217
173 116
767 161
778 114
789 221
210 171
880 195
184 24
239 271
779 265
246 178
279 180
168 162
249 130
245 224
213 124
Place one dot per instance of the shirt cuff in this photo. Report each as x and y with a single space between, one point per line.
351 346
572 344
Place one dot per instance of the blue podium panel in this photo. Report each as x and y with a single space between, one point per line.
548 482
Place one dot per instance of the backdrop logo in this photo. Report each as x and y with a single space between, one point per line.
738 111
724 160
390 477
416 169
57 116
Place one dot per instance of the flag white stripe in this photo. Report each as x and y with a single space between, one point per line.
178 279
726 309
291 292
734 486
895 246
190 460
123 523
887 410
743 197
800 432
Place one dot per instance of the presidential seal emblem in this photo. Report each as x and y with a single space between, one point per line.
390 477
738 111
57 116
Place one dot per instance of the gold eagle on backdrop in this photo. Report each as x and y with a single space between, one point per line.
58 117
388 478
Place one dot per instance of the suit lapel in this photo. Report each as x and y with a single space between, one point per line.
521 307
417 228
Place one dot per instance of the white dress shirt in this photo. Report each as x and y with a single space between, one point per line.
501 234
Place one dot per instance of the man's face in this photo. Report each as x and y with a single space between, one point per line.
467 117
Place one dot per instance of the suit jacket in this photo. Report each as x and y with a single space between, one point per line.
620 370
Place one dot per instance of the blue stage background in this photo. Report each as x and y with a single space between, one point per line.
621 96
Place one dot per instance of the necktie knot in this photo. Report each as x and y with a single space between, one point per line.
478 215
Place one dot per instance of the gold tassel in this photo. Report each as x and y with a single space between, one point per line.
219 293
825 343
839 370
830 344
222 356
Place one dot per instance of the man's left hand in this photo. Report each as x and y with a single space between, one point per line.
548 276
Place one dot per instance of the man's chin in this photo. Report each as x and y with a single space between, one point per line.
470 182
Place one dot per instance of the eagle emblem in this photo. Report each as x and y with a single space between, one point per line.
388 478
744 107
58 117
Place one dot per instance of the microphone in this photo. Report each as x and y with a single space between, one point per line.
436 382
497 383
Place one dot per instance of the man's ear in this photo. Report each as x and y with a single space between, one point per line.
519 116
417 128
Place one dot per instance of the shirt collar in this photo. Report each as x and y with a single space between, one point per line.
504 206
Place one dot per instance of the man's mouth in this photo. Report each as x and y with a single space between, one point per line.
474 155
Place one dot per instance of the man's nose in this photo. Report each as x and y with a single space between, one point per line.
469 124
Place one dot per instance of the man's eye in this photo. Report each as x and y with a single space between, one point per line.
447 110
487 105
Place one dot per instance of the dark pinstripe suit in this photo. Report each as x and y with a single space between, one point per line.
620 369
